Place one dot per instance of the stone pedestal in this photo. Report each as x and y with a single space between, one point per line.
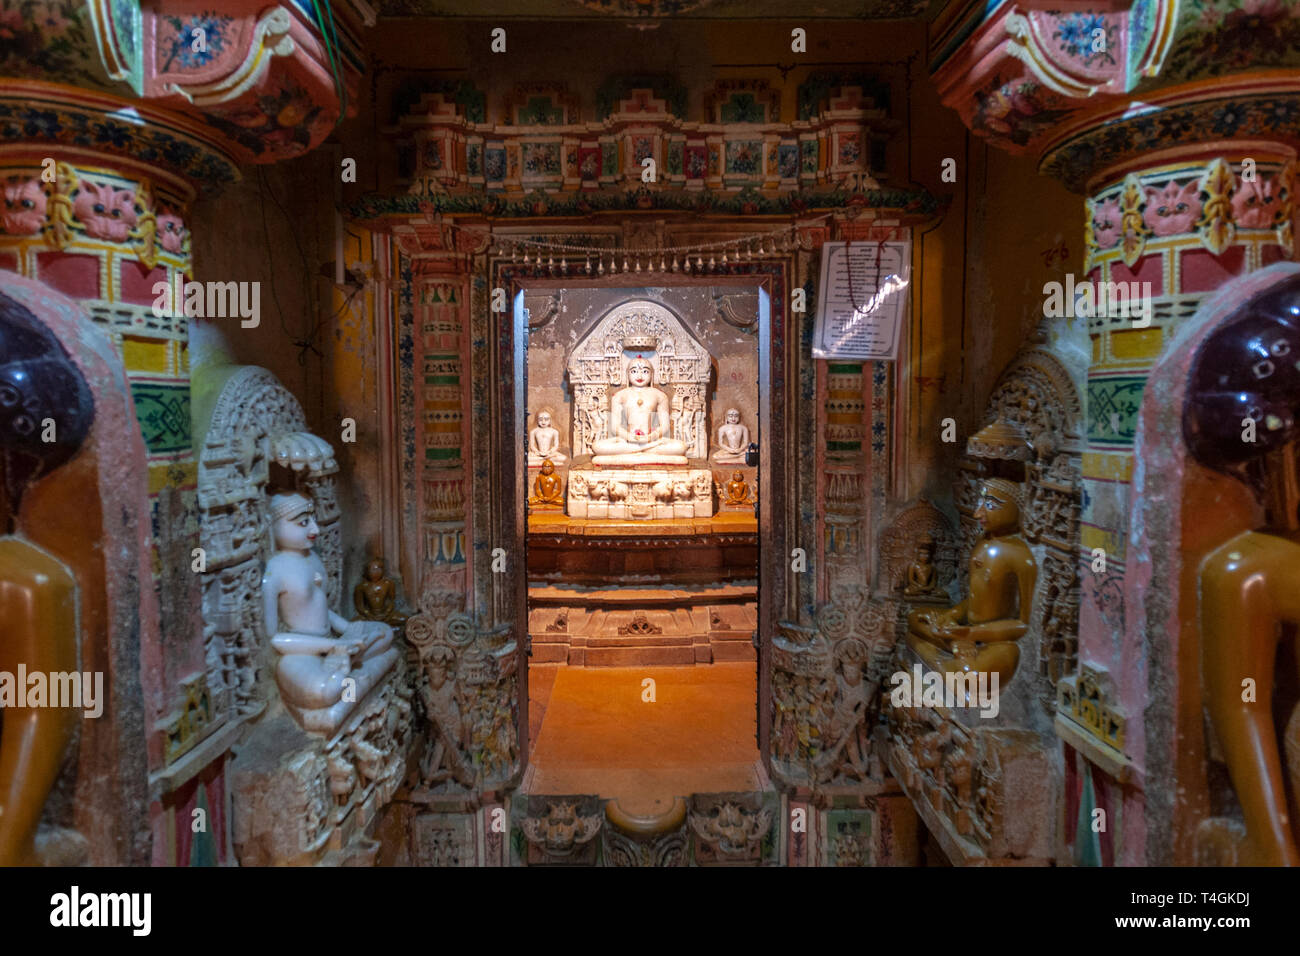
301 799
640 494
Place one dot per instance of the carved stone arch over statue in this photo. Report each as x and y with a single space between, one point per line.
1037 393
255 423
598 365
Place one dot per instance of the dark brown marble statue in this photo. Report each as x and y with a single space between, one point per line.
375 597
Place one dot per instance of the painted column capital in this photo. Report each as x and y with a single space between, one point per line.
1095 93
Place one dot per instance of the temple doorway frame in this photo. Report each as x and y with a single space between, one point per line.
785 478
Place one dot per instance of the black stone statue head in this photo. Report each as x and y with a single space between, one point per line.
45 404
1247 368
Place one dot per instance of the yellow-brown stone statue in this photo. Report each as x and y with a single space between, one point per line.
547 487
1250 585
737 490
922 578
980 633
375 597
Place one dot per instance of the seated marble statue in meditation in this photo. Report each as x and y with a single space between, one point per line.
547 487
375 597
921 575
980 633
733 440
315 666
544 442
639 416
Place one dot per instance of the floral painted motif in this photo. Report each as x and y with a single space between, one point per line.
171 232
788 161
1217 37
743 158
541 159
1254 205
474 159
642 148
1016 110
281 123
1171 210
496 165
48 40
431 155
179 47
24 207
105 211
697 162
589 164
1106 226
850 150
1087 37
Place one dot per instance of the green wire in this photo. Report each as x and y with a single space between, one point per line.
330 38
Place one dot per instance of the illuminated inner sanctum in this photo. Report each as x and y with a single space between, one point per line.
628 433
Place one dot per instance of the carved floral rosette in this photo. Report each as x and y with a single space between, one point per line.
1037 393
253 414
597 368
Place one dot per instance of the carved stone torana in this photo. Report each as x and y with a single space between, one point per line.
254 416
562 830
1088 699
467 689
730 828
597 367
898 546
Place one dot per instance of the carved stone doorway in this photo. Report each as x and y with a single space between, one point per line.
642 620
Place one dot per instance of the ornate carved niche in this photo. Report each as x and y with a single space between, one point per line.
898 547
597 367
252 427
1036 392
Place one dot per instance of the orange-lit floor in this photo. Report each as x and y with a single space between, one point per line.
593 733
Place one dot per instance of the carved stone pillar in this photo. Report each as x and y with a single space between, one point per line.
112 120
1188 184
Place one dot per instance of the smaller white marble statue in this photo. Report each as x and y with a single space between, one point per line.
544 442
315 667
733 440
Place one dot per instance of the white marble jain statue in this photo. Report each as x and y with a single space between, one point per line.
544 442
315 666
733 440
639 419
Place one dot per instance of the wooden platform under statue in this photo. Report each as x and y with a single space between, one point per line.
718 549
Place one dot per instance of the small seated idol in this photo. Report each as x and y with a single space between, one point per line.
639 415
737 490
980 633
733 440
547 487
921 575
375 597
314 664
544 442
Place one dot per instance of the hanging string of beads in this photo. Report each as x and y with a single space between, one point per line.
698 257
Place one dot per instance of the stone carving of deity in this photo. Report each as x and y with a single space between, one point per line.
544 441
639 423
733 440
314 664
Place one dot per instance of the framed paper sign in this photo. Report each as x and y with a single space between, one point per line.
862 299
